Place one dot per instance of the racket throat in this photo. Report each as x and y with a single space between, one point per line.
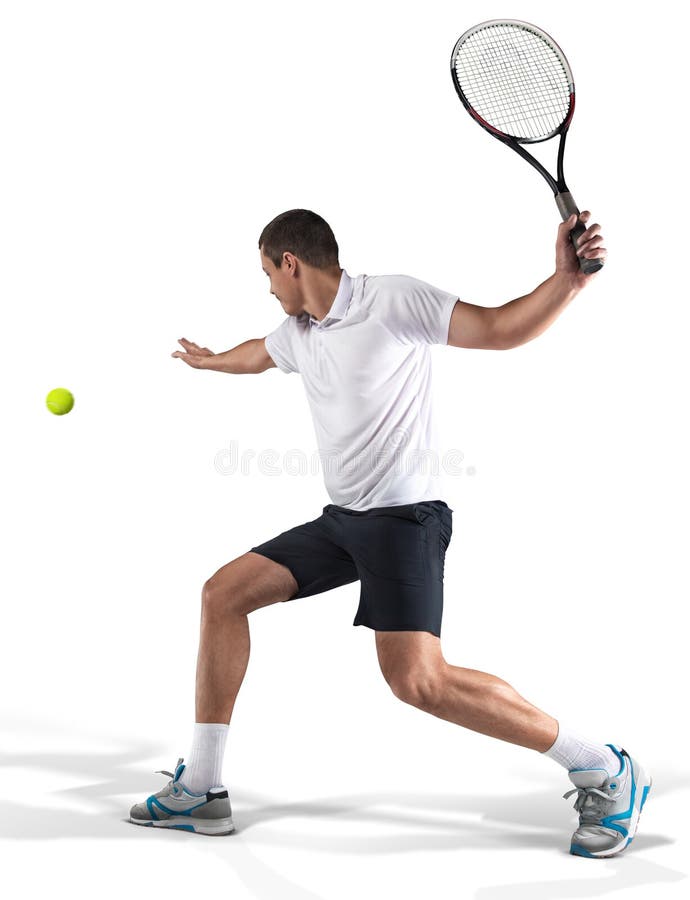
564 199
561 186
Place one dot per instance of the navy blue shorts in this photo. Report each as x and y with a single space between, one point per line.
397 552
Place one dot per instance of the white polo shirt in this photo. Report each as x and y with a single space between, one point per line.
366 368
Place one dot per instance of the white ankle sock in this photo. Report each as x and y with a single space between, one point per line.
574 752
204 768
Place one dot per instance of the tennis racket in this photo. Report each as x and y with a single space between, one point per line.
514 80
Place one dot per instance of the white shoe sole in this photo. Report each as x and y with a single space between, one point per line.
185 823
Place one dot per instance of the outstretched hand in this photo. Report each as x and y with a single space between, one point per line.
195 355
590 246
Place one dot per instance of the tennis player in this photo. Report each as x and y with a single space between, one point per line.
362 347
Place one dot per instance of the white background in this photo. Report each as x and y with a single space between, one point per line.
145 145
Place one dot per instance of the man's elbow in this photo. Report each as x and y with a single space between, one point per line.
504 335
502 343
498 337
507 344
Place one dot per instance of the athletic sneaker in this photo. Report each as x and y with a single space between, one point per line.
609 808
176 807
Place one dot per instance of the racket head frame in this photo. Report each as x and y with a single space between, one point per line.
557 184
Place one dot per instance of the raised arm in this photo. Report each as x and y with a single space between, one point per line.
248 358
523 319
527 317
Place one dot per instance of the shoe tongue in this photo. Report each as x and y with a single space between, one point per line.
584 778
178 771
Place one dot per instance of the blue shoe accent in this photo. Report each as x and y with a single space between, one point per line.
577 850
620 757
644 797
150 805
610 821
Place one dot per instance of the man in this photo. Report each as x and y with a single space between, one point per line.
362 347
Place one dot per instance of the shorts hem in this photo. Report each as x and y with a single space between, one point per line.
429 628
278 558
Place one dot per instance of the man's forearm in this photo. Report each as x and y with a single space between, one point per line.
527 317
240 360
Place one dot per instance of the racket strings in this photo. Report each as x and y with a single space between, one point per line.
515 80
518 78
516 90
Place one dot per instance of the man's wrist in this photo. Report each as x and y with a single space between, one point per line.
566 282
205 362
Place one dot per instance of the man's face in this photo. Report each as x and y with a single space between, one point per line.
283 284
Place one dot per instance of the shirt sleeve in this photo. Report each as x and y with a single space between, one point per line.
417 312
281 345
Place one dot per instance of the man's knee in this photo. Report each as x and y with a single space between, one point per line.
421 687
247 583
413 665
224 594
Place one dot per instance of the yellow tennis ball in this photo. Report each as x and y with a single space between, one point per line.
60 401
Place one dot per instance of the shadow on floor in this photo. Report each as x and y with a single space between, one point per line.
539 818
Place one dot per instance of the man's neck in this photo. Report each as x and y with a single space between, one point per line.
321 292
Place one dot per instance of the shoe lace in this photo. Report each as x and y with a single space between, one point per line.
591 803
171 774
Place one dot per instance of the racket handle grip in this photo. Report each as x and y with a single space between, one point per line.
566 207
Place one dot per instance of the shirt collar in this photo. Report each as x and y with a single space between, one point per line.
340 304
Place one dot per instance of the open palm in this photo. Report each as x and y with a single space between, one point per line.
194 355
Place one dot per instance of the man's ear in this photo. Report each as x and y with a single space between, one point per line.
290 262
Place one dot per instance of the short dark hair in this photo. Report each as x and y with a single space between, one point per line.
304 233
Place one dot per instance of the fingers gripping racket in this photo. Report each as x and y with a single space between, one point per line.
514 80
